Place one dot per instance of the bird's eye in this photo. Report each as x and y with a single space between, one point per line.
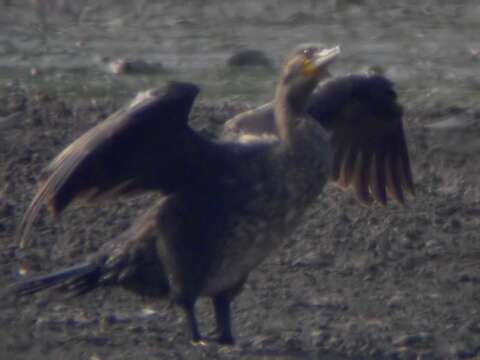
309 52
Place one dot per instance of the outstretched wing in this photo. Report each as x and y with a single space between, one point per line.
368 142
367 138
147 146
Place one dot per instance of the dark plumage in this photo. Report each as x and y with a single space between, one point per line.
226 204
365 124
372 157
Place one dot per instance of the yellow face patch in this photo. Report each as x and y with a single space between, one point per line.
310 70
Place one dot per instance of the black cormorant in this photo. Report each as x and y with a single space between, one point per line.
225 205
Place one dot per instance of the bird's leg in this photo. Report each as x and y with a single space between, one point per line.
192 325
221 305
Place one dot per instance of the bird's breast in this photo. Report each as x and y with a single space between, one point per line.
280 188
253 235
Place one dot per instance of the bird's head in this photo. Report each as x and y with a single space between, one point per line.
304 69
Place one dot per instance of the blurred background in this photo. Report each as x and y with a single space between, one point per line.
430 48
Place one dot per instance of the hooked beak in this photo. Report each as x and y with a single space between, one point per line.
316 66
326 56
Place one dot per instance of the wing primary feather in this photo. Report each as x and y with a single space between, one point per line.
60 169
49 187
362 110
339 151
377 176
394 185
360 176
348 165
405 168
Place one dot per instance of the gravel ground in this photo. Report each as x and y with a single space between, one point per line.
352 283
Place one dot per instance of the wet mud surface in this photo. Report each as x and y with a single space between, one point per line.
352 283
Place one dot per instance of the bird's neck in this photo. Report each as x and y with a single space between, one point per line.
289 110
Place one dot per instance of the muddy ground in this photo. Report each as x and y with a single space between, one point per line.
352 283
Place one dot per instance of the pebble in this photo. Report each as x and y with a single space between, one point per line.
474 326
313 259
148 311
136 329
396 301
420 339
129 66
262 341
329 301
34 71
452 225
468 277
434 248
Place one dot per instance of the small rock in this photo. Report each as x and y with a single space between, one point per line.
34 71
291 341
313 259
453 225
250 57
433 248
261 341
128 66
420 339
374 70
467 277
474 326
148 311
396 301
136 329
475 52
330 301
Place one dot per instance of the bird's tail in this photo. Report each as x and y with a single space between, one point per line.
75 280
